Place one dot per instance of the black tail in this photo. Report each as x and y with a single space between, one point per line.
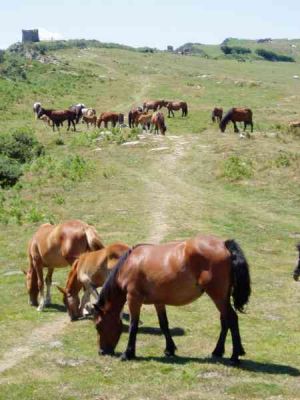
185 109
240 275
130 119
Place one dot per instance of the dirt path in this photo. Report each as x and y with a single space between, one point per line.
39 337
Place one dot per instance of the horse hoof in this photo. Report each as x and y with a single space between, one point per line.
126 357
170 353
106 352
234 362
217 354
242 352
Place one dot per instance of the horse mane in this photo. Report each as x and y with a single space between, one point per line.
227 117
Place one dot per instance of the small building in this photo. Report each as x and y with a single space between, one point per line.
31 35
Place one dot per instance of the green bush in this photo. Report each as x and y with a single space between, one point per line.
10 171
235 168
235 50
272 56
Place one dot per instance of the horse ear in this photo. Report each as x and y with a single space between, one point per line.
62 290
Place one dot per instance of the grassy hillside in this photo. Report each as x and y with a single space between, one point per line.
193 180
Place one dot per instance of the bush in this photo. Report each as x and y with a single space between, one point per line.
272 56
235 168
10 171
235 50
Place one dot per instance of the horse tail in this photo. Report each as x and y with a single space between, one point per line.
130 119
93 239
240 275
185 109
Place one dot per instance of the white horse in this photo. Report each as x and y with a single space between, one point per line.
36 108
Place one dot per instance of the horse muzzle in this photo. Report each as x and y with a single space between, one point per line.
108 351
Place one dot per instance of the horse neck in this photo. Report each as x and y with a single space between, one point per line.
73 285
227 117
116 304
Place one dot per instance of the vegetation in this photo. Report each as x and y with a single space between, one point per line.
235 50
272 56
195 179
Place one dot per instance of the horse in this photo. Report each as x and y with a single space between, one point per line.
176 273
133 115
177 105
58 116
54 246
144 119
296 273
158 121
294 124
113 117
36 107
89 120
217 114
89 272
77 109
154 105
237 115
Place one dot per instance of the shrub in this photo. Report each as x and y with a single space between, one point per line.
235 50
235 168
10 171
272 56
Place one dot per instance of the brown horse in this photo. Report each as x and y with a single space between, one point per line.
175 274
144 119
296 273
154 105
112 117
133 116
237 115
177 105
158 121
58 116
217 114
89 120
54 246
89 272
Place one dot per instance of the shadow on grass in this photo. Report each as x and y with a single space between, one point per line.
55 308
246 365
148 330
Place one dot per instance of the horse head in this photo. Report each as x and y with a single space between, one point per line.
72 303
40 112
32 286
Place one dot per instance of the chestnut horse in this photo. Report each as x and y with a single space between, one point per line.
144 119
177 105
217 114
237 115
154 105
296 273
158 121
58 116
54 246
133 115
89 272
175 273
110 117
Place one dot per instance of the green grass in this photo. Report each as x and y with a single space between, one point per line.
141 193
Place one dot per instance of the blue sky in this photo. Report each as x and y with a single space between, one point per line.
150 22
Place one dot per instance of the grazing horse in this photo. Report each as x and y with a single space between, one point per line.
175 273
89 272
177 105
296 273
144 119
154 105
217 114
158 121
112 117
36 108
77 109
133 115
237 115
89 120
54 246
58 116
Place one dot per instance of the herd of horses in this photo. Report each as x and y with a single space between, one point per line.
174 273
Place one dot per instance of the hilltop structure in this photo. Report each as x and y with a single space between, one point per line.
31 35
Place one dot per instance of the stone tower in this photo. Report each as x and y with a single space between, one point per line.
31 35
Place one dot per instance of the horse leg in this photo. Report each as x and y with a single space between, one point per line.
85 298
134 307
251 123
74 126
220 346
233 323
236 129
164 326
48 281
40 278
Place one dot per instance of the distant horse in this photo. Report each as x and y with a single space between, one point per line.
58 116
54 246
88 112
36 108
177 105
297 269
77 109
158 121
217 114
294 124
154 105
89 120
175 273
144 119
237 115
112 117
89 272
133 115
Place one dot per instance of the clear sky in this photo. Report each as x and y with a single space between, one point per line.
155 23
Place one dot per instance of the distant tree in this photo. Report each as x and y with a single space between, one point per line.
272 56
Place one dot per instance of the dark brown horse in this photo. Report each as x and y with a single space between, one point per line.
237 115
133 116
217 114
55 246
296 273
177 105
154 105
175 273
77 109
112 117
58 116
158 121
